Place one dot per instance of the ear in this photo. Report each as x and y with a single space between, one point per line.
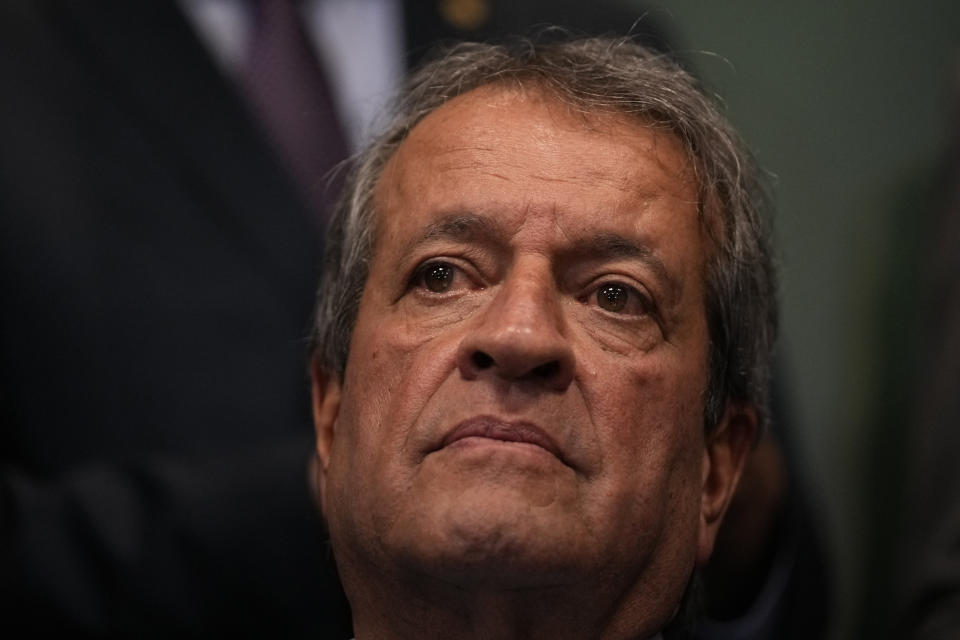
325 391
724 456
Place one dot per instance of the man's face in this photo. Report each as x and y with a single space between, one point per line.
523 402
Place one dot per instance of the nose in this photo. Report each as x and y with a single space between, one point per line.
520 337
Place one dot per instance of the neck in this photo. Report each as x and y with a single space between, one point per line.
385 607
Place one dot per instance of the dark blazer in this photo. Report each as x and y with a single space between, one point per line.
157 271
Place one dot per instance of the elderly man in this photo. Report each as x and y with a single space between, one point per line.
541 347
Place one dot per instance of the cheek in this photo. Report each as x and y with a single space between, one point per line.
408 359
648 414
395 367
394 370
653 398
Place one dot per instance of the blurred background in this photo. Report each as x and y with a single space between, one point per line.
160 232
853 106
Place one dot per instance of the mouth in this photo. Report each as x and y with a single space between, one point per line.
505 431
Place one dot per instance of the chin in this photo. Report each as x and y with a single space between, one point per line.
494 541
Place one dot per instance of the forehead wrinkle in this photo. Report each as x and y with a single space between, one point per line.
475 153
454 159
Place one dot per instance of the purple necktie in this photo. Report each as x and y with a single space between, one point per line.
287 90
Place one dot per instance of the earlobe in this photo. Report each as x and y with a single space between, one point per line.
724 456
325 396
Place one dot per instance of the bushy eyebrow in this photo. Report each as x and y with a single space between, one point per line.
613 245
461 227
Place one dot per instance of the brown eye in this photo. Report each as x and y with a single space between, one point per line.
438 277
613 297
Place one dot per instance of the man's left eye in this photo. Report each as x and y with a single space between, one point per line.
620 298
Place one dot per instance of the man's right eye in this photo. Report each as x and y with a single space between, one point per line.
436 277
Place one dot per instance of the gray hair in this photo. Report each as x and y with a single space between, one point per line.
592 75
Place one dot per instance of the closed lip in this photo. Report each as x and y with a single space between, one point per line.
505 430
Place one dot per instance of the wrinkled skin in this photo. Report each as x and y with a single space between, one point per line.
517 444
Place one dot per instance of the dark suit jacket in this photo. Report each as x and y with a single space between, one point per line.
157 277
157 272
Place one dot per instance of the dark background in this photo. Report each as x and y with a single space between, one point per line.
852 105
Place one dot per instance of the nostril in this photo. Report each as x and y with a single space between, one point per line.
481 360
546 370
